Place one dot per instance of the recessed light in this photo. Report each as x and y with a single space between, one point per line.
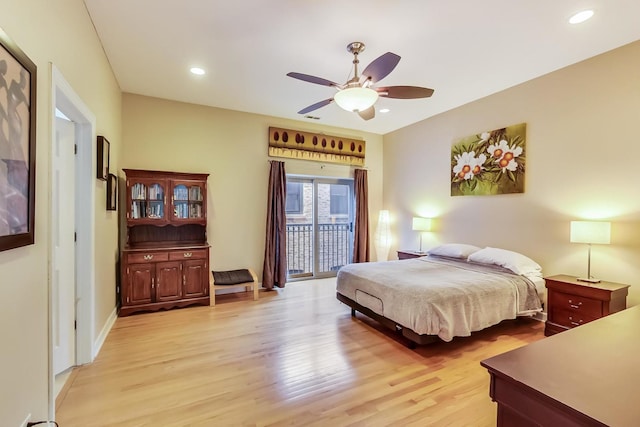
384 110
197 71
581 17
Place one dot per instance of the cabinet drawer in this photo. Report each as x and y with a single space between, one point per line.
188 254
576 304
570 318
141 257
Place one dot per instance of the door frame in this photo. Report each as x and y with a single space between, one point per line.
64 98
315 181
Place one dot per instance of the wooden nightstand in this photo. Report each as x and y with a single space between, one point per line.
410 254
572 303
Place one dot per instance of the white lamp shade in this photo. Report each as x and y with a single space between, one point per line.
421 224
356 98
383 236
598 232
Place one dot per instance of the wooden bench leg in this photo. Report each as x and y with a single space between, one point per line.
255 285
212 291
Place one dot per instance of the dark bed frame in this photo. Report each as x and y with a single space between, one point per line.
413 337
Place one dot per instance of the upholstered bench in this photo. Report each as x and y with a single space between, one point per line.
245 278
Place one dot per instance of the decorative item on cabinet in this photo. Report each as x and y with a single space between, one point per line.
165 261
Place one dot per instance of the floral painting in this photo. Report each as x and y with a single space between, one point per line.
492 162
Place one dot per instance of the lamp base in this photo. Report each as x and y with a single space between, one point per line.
589 280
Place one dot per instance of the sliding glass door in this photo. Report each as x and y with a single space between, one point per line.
319 225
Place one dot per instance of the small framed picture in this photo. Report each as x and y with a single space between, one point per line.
103 158
112 192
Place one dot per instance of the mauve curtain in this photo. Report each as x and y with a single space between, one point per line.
274 271
361 229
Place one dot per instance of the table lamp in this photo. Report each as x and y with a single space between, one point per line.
421 224
590 232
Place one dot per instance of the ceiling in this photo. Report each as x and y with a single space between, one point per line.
464 49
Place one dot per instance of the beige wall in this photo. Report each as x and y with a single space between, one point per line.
231 147
582 150
62 33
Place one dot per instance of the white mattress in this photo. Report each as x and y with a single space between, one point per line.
438 296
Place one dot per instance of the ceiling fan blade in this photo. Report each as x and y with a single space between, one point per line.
312 79
404 92
368 114
381 67
316 106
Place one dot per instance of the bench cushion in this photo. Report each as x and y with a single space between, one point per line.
232 277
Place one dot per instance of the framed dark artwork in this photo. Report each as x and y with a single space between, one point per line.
103 158
112 192
17 145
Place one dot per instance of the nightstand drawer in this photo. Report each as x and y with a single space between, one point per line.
571 318
579 305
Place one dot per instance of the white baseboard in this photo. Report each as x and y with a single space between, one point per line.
104 332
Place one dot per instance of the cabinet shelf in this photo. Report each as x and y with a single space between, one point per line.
165 263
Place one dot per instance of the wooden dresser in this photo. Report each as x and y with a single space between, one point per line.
572 303
586 376
408 254
165 263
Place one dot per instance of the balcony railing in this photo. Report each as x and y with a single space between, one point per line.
334 242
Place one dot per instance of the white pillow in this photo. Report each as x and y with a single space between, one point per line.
513 261
453 250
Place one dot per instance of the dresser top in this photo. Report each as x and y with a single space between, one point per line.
592 369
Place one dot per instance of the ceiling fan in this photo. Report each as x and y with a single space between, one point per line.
358 94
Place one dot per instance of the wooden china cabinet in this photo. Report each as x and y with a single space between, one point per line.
166 257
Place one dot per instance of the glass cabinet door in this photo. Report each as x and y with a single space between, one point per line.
147 200
188 201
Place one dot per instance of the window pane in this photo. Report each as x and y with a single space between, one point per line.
293 203
339 199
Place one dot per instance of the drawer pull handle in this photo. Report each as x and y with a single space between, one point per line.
188 254
574 306
148 257
578 323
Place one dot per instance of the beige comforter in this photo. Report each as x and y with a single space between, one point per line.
439 296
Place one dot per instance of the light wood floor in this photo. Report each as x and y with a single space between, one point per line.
296 357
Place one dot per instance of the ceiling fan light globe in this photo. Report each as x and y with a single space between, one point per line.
355 98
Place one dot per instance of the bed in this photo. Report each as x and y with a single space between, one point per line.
443 296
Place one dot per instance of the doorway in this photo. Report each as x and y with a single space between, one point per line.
320 213
72 236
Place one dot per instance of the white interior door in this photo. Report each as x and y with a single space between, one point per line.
63 231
